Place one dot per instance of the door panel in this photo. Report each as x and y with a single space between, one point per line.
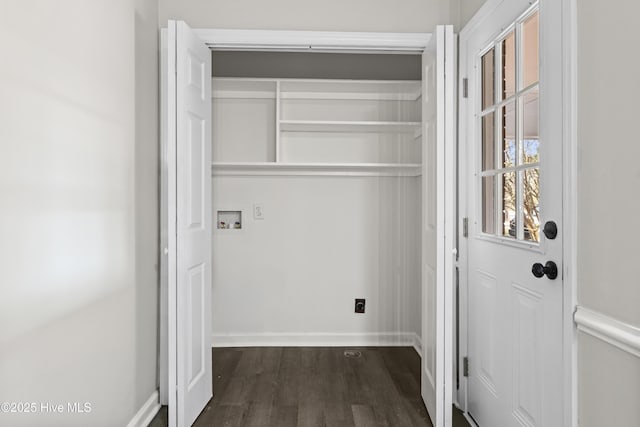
527 341
485 294
196 367
513 185
438 176
191 295
196 147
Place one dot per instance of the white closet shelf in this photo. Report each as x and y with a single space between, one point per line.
354 89
347 126
353 96
320 89
318 169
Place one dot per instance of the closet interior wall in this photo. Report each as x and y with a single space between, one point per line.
317 181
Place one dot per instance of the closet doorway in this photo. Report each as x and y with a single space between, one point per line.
257 167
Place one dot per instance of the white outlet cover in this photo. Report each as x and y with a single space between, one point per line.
258 211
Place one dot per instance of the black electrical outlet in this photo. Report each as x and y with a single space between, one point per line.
359 305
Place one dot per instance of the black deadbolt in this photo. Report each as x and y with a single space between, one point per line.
550 269
550 230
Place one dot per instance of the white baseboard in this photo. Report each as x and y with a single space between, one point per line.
369 339
417 344
470 420
145 414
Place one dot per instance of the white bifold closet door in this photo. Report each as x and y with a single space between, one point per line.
187 165
438 187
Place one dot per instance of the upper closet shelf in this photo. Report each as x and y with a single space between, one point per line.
402 90
348 126
330 89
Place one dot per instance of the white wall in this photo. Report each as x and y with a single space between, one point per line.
324 241
146 197
608 180
334 15
468 8
77 300
609 385
609 175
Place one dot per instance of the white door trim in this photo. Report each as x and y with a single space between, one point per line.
313 41
570 208
570 200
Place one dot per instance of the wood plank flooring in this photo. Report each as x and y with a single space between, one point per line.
319 386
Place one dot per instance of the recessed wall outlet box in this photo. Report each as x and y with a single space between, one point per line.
359 305
229 220
258 211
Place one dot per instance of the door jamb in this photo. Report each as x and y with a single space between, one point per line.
570 208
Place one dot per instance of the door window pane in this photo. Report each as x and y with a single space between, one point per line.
509 205
510 132
509 66
509 135
488 204
488 79
488 141
531 204
530 128
530 54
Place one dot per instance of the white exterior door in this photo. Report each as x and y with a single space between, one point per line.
188 170
511 131
438 199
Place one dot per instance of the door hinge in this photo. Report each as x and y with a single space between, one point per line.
465 227
465 87
465 366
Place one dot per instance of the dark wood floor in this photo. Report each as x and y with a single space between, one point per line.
298 386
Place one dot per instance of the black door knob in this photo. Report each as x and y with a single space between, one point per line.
550 269
550 230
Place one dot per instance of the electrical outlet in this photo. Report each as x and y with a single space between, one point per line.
258 211
359 305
